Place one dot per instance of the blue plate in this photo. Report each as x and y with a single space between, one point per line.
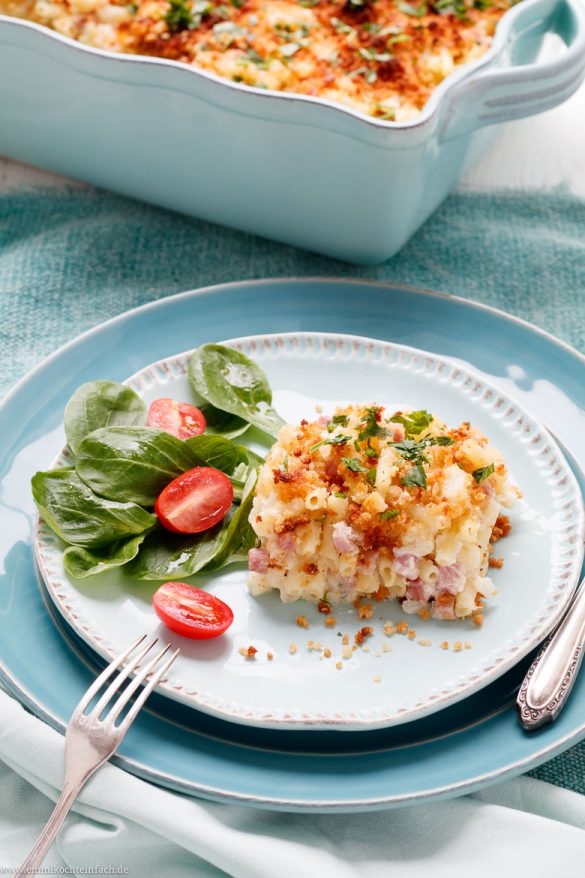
459 749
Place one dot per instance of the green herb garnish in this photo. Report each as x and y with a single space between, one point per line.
483 472
340 494
334 440
415 477
414 423
182 15
371 476
388 514
371 425
341 27
340 420
353 464
372 55
413 11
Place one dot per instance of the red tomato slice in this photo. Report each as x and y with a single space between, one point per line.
190 611
195 500
181 419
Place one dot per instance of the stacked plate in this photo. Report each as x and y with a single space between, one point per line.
405 720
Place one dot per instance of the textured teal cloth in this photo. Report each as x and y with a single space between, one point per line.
72 258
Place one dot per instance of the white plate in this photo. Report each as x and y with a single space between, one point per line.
543 556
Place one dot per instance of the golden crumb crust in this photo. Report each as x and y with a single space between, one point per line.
381 57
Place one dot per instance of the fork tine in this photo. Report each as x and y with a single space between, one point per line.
138 704
105 675
119 678
125 696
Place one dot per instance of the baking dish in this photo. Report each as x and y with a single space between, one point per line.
290 167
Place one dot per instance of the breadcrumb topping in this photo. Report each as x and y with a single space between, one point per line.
382 58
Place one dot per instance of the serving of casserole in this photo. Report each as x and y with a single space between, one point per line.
227 112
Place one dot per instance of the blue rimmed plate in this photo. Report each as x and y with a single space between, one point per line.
455 751
373 688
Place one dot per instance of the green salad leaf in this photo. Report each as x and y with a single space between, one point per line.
216 451
101 404
164 555
217 422
81 563
132 464
233 383
79 516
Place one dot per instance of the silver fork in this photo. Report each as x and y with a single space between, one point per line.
90 741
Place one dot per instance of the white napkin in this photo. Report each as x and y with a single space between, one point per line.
523 827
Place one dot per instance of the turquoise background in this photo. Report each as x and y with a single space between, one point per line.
72 258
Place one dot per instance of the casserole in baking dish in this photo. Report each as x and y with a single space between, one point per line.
298 168
381 57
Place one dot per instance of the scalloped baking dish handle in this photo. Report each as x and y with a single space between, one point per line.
490 97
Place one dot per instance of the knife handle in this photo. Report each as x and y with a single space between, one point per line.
550 678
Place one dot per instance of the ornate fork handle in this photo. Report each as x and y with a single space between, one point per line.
549 680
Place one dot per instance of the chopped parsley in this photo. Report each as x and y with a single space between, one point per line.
483 472
353 464
414 423
371 476
451 7
388 514
340 494
415 477
252 57
308 4
413 11
414 451
370 452
409 449
186 16
371 426
341 27
340 420
397 38
372 55
285 463
334 440
132 8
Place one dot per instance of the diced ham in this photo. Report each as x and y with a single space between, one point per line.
286 542
444 606
258 560
488 488
344 537
398 430
451 578
369 561
417 590
405 563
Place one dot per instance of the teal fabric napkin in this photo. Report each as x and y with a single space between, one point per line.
70 258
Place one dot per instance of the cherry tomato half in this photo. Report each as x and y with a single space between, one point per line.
181 419
190 611
195 500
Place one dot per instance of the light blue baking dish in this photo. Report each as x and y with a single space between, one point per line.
298 169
